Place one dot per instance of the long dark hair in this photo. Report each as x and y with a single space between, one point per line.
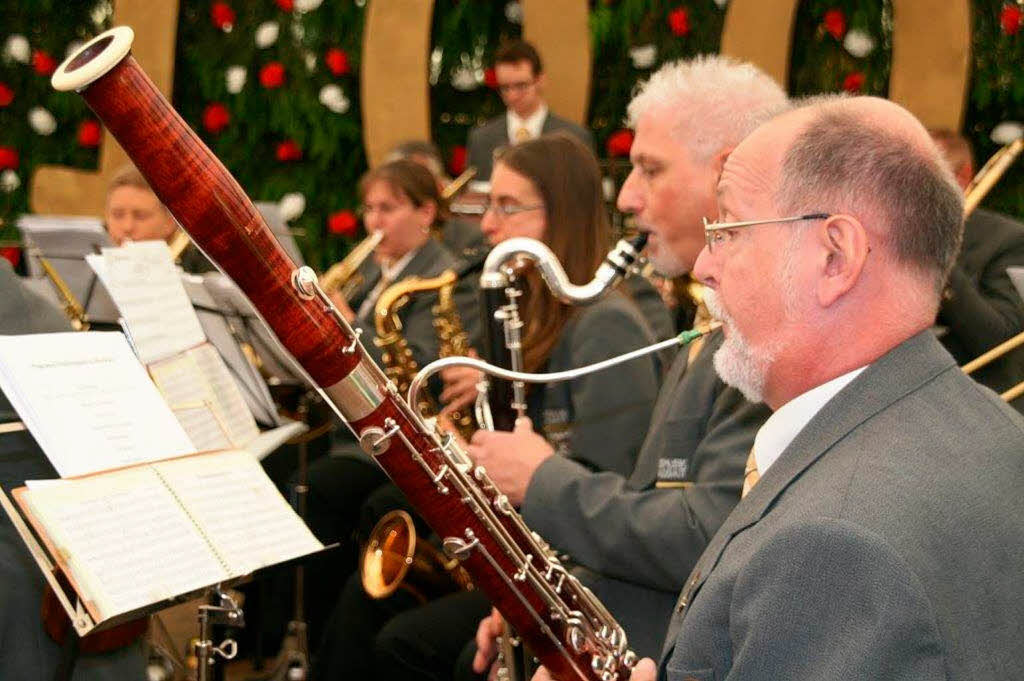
565 173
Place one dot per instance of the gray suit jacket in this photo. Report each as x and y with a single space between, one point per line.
484 140
982 308
638 541
886 542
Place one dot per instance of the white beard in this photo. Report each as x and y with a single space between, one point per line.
737 363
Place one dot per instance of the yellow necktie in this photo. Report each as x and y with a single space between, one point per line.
522 134
750 474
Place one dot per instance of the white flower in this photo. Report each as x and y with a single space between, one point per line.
72 47
1006 132
464 78
42 121
291 206
234 78
266 34
310 61
514 12
17 49
643 56
858 43
721 3
9 181
307 5
333 97
435 65
298 31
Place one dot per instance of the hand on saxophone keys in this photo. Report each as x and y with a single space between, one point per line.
510 458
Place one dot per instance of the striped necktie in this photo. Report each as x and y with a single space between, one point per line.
750 474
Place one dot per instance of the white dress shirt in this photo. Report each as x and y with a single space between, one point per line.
534 123
786 423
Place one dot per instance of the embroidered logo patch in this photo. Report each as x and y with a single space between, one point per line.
673 469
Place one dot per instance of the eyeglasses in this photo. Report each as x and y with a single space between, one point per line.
719 233
506 210
517 86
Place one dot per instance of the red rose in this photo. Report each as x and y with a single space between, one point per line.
6 95
679 22
288 151
835 23
8 158
12 253
216 117
854 82
222 16
1010 18
43 63
619 143
491 78
285 5
89 133
343 223
272 75
457 160
337 61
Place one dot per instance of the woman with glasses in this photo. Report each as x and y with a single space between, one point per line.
547 189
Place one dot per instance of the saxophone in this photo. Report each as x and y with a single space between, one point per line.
399 364
562 622
344 276
73 309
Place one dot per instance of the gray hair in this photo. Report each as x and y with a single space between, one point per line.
841 162
716 101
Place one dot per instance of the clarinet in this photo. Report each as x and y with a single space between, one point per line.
567 628
503 401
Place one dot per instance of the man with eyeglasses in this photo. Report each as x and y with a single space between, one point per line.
881 530
635 539
520 75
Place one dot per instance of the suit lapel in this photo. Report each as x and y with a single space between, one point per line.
890 378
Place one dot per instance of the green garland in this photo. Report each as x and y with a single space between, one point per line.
465 34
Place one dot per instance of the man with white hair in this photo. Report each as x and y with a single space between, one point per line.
881 532
636 539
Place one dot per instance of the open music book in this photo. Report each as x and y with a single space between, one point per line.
133 537
171 342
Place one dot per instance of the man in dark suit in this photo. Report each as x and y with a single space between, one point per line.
636 537
520 75
980 307
881 533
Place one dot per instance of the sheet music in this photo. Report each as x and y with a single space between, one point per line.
238 508
88 401
225 329
202 426
126 539
146 286
237 418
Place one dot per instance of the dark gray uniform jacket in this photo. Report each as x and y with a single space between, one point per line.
639 541
886 542
599 419
26 652
492 135
982 308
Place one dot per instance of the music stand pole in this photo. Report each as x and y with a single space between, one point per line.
220 611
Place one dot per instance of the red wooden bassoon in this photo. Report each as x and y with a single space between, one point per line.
559 619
